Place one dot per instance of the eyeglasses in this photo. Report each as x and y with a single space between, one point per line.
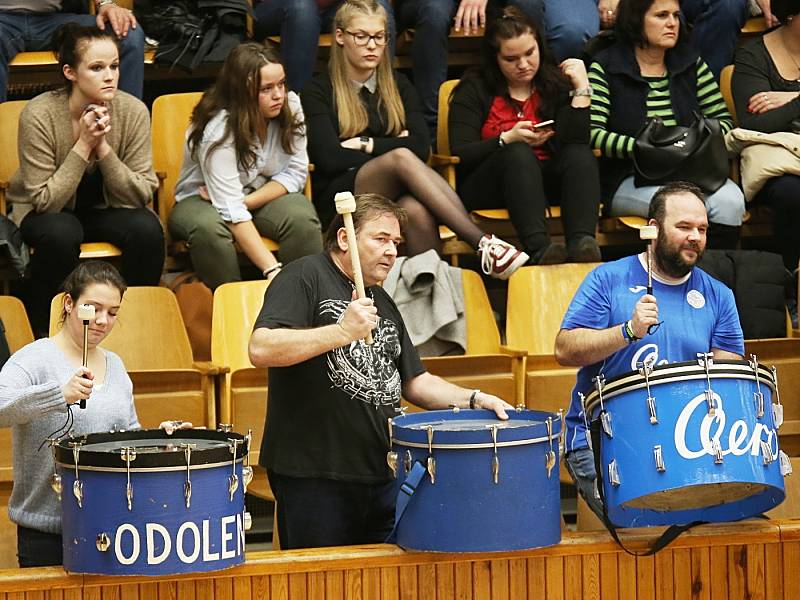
362 39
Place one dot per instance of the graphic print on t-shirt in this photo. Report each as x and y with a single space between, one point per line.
365 372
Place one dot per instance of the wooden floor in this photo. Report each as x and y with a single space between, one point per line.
756 559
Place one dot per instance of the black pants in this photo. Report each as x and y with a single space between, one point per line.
38 549
323 512
782 194
514 178
56 239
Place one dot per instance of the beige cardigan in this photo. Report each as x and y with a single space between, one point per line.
763 156
49 171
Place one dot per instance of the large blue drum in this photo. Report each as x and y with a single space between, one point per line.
684 442
145 503
488 486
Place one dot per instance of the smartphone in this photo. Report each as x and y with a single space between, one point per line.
547 123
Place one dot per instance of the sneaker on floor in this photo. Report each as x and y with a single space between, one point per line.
552 254
585 249
498 258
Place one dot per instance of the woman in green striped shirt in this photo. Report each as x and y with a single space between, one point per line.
650 71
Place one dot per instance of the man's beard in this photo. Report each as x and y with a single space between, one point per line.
669 259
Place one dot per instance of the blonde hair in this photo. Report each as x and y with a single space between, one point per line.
352 113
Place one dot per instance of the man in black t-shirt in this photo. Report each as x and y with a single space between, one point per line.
330 394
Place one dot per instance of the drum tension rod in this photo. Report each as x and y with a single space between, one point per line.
233 480
758 395
77 485
645 370
128 454
55 480
705 360
658 455
585 419
495 458
247 470
550 455
187 485
777 409
391 455
605 417
431 460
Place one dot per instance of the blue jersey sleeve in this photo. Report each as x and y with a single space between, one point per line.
590 307
727 333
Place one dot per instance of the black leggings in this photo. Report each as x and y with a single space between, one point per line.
56 239
782 194
38 549
515 178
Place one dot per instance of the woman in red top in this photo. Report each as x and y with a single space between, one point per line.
510 157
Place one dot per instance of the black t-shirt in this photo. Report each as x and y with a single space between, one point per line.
327 416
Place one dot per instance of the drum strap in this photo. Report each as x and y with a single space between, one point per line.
666 538
407 490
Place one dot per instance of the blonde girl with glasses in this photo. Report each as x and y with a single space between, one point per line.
366 134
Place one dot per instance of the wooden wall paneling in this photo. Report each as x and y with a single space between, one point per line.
591 576
517 578
203 589
371 583
719 573
609 580
463 578
554 578
701 574
390 588
755 578
186 590
130 591
407 582
481 580
279 586
334 585
737 559
260 587
537 586
573 579
316 586
645 578
298 586
626 573
426 582
353 584
92 593
445 581
773 556
223 588
499 579
107 592
682 570
665 588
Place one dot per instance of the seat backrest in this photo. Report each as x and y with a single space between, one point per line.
442 131
15 321
725 83
483 337
538 298
170 120
149 332
236 306
9 126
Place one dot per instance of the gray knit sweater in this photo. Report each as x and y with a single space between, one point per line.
31 403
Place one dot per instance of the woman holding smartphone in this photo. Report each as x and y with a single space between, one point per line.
85 171
520 125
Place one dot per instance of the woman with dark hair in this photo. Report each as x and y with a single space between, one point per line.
766 92
510 157
651 71
366 134
85 171
244 169
40 385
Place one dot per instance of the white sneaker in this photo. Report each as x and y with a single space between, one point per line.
499 259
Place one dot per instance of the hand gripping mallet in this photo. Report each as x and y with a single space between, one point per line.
346 206
649 233
85 314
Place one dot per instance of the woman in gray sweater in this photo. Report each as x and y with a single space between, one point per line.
39 386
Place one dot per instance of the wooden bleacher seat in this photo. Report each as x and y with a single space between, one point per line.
9 127
18 334
151 339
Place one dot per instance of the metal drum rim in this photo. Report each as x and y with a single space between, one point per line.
480 445
682 371
111 460
123 469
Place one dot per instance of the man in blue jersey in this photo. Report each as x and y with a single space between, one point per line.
612 323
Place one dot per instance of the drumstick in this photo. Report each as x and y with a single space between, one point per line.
346 206
85 314
649 233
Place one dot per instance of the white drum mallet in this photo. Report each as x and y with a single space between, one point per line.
85 314
649 233
346 206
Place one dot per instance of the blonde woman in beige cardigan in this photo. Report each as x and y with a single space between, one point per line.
86 171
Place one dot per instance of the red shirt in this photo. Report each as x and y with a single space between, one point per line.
505 113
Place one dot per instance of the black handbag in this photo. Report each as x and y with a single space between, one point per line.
696 154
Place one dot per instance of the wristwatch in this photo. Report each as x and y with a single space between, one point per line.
587 91
101 3
364 142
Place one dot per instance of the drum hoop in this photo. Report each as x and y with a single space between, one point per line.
687 371
475 446
123 469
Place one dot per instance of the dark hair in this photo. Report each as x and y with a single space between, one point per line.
88 273
630 23
236 90
368 207
783 9
658 205
69 43
510 23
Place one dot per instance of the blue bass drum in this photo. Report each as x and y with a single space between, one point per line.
686 442
145 503
488 485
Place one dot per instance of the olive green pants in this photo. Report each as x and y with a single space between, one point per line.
289 220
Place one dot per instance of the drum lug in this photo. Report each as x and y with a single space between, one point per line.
495 458
408 461
431 461
550 455
247 477
103 542
233 480
717 451
77 485
758 395
613 473
248 521
391 460
128 454
706 360
786 464
55 483
225 427
659 458
651 408
766 453
777 407
605 420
